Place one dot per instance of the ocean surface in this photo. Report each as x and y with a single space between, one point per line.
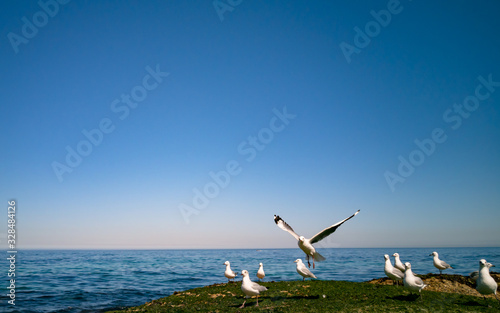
100 280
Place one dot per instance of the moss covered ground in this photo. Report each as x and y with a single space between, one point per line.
317 296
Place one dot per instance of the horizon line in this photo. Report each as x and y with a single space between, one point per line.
158 249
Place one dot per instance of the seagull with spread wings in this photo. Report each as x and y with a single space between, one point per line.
306 245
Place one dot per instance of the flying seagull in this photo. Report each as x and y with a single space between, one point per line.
307 244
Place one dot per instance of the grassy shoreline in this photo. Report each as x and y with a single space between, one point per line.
378 295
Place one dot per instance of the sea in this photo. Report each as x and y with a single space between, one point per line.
102 280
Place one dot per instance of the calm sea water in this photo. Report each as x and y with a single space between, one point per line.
100 280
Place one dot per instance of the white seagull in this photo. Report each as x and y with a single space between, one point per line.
250 288
439 264
303 270
474 275
485 284
392 272
412 282
229 273
260 272
307 244
397 262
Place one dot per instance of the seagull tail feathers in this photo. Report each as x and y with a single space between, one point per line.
318 257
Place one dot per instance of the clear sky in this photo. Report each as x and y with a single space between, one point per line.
189 124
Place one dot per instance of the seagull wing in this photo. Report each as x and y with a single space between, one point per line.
329 230
443 263
419 281
305 271
257 287
283 225
397 273
474 275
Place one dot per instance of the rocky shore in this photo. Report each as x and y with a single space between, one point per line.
445 283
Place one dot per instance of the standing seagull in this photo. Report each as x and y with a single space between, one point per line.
260 272
412 282
439 264
303 270
485 284
229 273
397 262
392 272
474 275
306 244
250 288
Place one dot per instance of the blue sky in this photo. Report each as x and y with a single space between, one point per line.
265 96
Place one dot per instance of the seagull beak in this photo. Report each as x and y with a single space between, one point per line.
430 254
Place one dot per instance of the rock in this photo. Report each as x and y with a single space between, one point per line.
445 283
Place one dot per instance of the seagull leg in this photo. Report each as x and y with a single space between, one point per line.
313 263
484 299
308 263
257 301
243 305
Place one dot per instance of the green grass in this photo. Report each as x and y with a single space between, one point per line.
316 296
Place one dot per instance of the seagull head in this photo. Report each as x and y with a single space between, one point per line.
226 263
433 254
302 238
482 263
407 265
386 256
396 255
298 261
260 264
490 265
244 273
